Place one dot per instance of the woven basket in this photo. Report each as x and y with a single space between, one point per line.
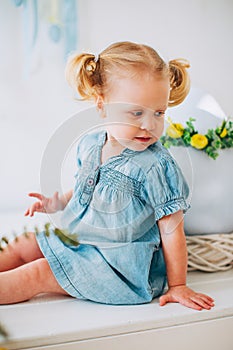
210 253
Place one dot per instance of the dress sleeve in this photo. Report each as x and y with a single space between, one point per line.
85 147
80 151
78 159
166 188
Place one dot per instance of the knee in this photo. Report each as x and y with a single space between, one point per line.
26 248
44 276
41 270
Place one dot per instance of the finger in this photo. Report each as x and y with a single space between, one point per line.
55 197
206 297
164 299
31 212
36 195
203 299
56 194
199 301
26 212
208 301
191 304
36 207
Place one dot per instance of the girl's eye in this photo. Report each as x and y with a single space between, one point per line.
159 114
137 113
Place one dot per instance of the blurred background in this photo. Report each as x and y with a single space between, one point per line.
37 36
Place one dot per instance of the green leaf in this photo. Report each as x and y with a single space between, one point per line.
211 151
66 237
215 142
3 332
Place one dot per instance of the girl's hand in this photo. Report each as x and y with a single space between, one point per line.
187 297
44 205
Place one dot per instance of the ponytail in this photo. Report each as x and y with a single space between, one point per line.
92 76
179 81
83 75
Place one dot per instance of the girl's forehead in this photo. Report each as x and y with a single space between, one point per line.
147 91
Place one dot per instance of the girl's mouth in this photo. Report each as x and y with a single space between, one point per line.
143 139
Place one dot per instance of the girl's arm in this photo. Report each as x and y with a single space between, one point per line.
65 199
175 255
48 205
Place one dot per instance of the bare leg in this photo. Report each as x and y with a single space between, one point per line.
19 252
26 281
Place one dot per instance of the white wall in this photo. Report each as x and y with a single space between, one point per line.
199 30
33 107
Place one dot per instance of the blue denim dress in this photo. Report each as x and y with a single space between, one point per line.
114 210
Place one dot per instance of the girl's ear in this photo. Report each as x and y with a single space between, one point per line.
100 106
99 102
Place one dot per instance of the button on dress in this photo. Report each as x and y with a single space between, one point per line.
114 211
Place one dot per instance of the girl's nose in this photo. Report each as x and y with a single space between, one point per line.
148 123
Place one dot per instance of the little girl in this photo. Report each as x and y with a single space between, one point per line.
128 202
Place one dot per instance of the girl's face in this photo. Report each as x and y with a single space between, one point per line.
134 111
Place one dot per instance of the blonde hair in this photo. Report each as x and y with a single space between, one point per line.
92 76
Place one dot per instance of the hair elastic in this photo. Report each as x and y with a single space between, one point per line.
96 59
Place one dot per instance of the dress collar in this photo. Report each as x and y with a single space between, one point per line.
126 151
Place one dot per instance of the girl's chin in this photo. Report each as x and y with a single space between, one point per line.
138 146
